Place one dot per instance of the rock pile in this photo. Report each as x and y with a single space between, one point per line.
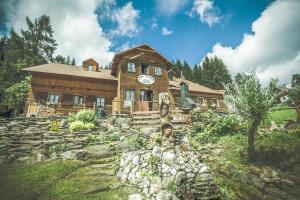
167 173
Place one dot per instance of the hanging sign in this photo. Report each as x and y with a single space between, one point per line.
146 79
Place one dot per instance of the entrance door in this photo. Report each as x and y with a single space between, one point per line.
146 100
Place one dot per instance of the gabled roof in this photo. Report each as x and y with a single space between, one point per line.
71 70
142 47
193 87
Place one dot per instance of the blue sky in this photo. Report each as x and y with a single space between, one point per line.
190 39
246 34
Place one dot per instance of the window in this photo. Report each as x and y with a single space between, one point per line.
200 101
129 95
78 100
100 102
131 67
213 103
157 71
145 69
52 98
143 95
90 67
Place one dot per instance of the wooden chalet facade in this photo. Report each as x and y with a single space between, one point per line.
133 83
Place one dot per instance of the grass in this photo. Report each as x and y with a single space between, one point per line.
60 180
279 150
278 116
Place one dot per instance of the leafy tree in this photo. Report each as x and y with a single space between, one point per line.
15 96
294 93
252 102
214 73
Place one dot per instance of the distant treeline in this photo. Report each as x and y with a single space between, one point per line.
212 72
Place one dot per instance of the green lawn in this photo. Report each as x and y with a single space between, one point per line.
60 180
280 115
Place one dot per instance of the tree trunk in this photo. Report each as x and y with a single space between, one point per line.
298 113
251 136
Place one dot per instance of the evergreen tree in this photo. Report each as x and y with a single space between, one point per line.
39 39
73 62
187 71
196 74
35 45
214 73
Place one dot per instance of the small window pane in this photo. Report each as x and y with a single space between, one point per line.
78 100
100 102
53 98
158 71
131 67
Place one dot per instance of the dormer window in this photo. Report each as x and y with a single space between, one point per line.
90 67
131 67
157 71
145 69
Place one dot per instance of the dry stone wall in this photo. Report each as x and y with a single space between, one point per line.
29 139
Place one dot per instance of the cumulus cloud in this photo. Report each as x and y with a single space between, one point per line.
75 26
273 47
170 7
206 11
165 31
126 19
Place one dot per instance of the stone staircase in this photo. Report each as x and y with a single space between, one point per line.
151 119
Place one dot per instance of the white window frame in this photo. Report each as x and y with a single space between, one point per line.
100 101
52 98
77 103
157 71
131 67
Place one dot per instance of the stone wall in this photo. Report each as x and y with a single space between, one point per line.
29 139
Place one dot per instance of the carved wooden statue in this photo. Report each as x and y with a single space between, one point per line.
165 118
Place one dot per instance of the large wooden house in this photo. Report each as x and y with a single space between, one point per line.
136 77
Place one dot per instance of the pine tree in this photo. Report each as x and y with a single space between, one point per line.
214 73
73 62
187 71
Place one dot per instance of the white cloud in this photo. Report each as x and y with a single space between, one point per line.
273 48
170 7
165 31
75 26
206 11
154 24
126 18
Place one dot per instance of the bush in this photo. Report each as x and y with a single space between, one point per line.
55 126
79 125
86 115
83 120
209 126
136 142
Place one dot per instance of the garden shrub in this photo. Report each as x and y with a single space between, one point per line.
86 115
136 142
114 137
55 126
79 125
208 126
83 120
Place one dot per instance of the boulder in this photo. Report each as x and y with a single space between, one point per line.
79 154
135 197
